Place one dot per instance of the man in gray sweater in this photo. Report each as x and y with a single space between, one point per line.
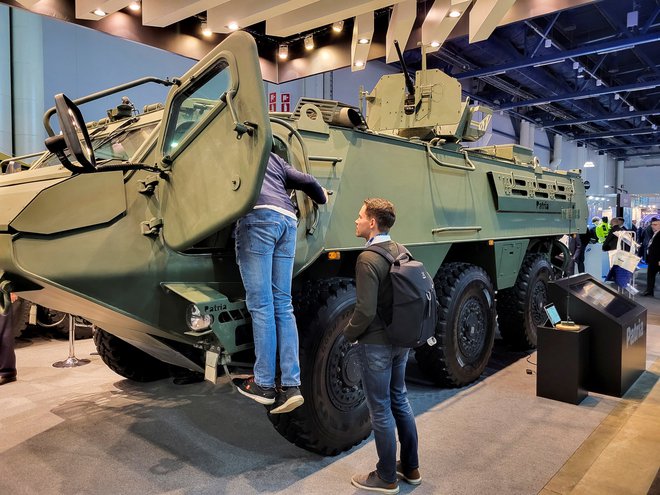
383 365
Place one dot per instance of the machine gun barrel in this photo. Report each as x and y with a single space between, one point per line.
409 82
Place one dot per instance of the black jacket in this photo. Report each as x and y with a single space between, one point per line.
653 253
374 297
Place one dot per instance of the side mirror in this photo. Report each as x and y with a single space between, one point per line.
75 137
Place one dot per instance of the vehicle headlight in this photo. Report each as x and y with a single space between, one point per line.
196 320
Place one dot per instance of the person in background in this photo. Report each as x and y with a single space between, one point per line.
602 230
383 365
7 354
645 238
265 251
612 239
653 257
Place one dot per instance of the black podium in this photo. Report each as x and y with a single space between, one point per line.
617 335
562 364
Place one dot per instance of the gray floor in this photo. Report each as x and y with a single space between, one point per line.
89 431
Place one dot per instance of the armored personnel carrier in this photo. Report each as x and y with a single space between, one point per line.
116 136
143 247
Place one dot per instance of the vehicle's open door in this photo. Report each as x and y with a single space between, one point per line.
215 143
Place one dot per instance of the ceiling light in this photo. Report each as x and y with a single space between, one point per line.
99 12
435 44
134 6
589 165
283 52
309 42
631 108
359 63
363 41
548 43
643 118
616 96
338 26
576 65
599 82
232 26
205 29
454 14
654 127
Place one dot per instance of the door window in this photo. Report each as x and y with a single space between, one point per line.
194 105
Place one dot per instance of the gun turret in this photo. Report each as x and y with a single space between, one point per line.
425 108
409 104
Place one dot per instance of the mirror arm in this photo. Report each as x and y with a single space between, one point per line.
245 127
94 96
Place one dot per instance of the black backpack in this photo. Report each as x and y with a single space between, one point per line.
414 303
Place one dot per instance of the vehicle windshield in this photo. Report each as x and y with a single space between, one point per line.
120 146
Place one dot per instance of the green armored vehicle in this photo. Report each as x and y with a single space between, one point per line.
143 248
116 136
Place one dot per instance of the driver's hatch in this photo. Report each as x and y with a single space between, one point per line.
215 143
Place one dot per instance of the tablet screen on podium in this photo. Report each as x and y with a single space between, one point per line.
553 314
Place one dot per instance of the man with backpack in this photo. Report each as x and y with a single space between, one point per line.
383 364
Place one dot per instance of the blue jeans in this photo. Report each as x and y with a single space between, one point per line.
383 382
265 249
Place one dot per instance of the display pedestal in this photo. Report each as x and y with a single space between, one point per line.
562 364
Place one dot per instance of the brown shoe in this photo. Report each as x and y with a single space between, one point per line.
411 476
373 483
7 379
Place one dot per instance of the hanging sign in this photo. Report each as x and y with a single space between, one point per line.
285 99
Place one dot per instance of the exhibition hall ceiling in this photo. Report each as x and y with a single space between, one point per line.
588 70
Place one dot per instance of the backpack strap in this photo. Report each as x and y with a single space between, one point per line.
386 254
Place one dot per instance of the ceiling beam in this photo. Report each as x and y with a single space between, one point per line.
438 25
321 14
401 24
363 29
161 13
85 8
598 118
245 13
609 134
562 55
623 146
485 16
652 153
580 95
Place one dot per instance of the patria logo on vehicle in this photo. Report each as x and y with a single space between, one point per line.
542 205
634 333
215 307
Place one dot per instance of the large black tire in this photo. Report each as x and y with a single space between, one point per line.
466 326
127 360
20 310
520 308
334 416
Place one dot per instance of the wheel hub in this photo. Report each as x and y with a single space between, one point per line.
344 378
472 330
539 298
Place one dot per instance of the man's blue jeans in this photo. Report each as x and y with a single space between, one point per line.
383 382
265 248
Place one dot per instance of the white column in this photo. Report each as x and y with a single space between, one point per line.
6 144
531 138
602 168
28 81
620 179
524 133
